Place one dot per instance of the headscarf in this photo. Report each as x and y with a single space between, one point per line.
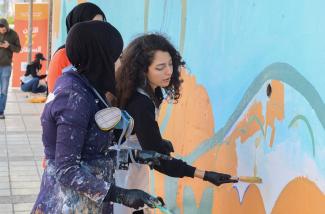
82 12
93 47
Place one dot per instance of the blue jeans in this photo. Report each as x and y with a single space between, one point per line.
32 86
5 73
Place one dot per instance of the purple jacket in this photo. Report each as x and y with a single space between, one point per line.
79 170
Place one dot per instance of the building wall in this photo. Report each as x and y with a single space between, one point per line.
252 100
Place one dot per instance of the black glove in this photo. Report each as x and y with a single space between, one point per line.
150 158
166 147
218 178
133 198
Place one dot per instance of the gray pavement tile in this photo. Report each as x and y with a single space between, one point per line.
21 151
3 174
14 123
3 152
26 178
25 184
3 159
17 137
22 168
3 163
21 158
4 192
4 178
4 168
25 191
2 130
12 108
23 198
21 163
4 185
11 97
28 108
5 208
22 207
32 123
23 173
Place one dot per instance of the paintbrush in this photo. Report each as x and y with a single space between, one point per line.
248 179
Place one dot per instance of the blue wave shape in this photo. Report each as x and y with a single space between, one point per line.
276 71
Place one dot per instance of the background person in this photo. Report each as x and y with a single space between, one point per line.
32 80
82 12
9 43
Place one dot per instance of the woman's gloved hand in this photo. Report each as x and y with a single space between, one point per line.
133 198
167 147
150 158
218 178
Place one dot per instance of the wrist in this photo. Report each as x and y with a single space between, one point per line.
199 173
114 193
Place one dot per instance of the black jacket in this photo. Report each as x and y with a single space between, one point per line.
14 44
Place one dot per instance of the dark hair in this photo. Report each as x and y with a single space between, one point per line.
135 61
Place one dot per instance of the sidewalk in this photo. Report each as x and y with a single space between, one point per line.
21 151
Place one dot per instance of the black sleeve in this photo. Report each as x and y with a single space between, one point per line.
15 46
175 168
145 126
147 130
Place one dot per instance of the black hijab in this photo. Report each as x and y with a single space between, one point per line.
93 47
82 12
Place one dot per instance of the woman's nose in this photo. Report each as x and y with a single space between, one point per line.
169 70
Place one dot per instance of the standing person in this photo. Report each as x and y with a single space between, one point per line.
32 80
9 43
78 177
82 12
150 65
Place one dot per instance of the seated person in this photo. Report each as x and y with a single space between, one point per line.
32 81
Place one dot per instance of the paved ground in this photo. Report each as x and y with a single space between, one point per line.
21 151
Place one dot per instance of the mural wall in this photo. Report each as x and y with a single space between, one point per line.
252 100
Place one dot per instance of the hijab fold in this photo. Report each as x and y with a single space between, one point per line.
82 12
93 47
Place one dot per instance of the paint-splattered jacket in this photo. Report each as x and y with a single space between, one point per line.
79 171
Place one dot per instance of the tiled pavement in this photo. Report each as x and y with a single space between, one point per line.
21 151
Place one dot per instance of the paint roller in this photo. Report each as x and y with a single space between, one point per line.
248 179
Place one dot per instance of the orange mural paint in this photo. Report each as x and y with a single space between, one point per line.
304 195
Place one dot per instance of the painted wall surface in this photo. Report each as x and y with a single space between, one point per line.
226 121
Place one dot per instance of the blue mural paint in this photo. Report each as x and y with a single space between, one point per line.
166 118
305 120
277 71
206 202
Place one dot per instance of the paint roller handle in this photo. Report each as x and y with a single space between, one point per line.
217 178
247 179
